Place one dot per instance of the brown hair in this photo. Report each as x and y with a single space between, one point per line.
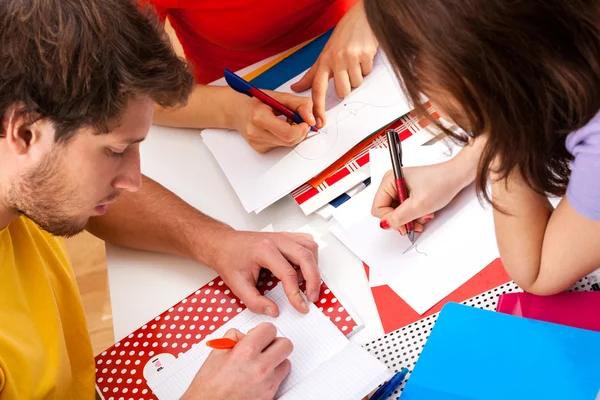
78 63
526 72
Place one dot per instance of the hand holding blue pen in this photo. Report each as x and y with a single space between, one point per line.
242 86
388 388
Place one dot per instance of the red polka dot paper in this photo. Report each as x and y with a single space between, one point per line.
120 369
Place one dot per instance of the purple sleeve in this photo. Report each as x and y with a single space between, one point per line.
583 190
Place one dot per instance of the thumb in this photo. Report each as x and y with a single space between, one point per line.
246 290
305 82
404 213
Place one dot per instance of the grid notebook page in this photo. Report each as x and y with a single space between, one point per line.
348 375
317 346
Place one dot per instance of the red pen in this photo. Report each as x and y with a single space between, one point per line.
240 85
396 155
222 343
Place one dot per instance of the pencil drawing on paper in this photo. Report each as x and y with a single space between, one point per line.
321 144
414 247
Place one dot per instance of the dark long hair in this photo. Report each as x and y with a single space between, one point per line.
524 72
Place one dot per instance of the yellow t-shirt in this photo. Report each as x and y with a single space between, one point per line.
45 349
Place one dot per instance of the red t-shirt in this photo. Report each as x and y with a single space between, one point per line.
218 34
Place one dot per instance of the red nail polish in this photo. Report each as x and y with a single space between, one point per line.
401 232
384 225
428 219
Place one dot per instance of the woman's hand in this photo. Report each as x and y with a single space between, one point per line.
262 127
431 188
347 58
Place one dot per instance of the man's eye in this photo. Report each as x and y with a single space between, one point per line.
113 153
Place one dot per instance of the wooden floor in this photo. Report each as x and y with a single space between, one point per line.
89 262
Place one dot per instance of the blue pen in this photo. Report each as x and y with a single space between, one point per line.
388 388
240 85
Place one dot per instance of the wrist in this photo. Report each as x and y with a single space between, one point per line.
202 238
464 170
232 103
209 251
466 162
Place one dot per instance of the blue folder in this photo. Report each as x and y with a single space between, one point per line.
293 65
477 354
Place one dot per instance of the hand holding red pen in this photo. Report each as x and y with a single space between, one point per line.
431 187
253 369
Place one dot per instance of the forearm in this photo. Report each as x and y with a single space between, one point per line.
520 224
155 219
207 107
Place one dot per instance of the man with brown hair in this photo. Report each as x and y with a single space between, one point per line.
78 84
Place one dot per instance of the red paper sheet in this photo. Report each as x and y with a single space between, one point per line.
395 313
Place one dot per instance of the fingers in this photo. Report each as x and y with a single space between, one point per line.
417 226
306 81
282 371
342 83
426 218
319 92
234 334
259 338
278 351
272 127
301 104
408 211
245 288
300 276
306 240
267 131
366 65
274 261
356 75
385 197
303 255
318 79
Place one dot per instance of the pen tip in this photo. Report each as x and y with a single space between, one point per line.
411 236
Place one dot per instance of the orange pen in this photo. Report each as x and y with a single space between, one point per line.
221 344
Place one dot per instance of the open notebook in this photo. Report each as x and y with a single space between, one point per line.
325 365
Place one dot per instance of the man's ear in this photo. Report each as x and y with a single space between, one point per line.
20 132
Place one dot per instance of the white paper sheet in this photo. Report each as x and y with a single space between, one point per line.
261 179
322 359
455 246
